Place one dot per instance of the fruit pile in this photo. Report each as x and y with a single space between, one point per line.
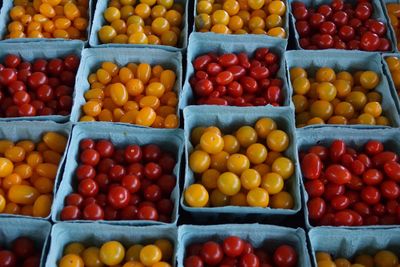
142 22
237 80
336 98
394 68
383 258
129 183
340 25
240 169
22 252
27 174
49 19
352 188
242 17
113 253
394 16
43 87
137 94
234 251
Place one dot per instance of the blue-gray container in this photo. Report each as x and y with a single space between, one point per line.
350 243
99 21
203 43
378 14
38 231
390 27
346 61
249 36
5 20
386 70
354 138
121 136
229 119
37 50
258 235
34 131
93 57
96 234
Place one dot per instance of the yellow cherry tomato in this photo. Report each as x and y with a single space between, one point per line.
258 197
196 196
277 140
71 260
112 253
150 255
229 183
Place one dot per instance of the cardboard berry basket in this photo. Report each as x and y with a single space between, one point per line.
93 57
386 70
38 231
258 235
346 61
354 138
34 130
350 243
203 43
99 21
38 50
378 14
390 27
249 37
96 234
229 119
120 136
5 20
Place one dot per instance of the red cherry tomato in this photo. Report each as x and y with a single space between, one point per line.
343 218
227 60
23 247
372 177
90 157
390 190
147 213
69 213
384 157
337 174
224 78
85 172
370 195
74 199
249 260
193 261
93 212
233 246
71 62
392 169
285 256
118 197
211 253
88 188
340 202
105 148
7 76
369 41
37 79
7 259
311 166
336 150
316 208
314 188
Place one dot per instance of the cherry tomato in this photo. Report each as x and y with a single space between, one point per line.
118 197
311 166
316 208
233 246
338 174
285 256
211 253
249 260
93 212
